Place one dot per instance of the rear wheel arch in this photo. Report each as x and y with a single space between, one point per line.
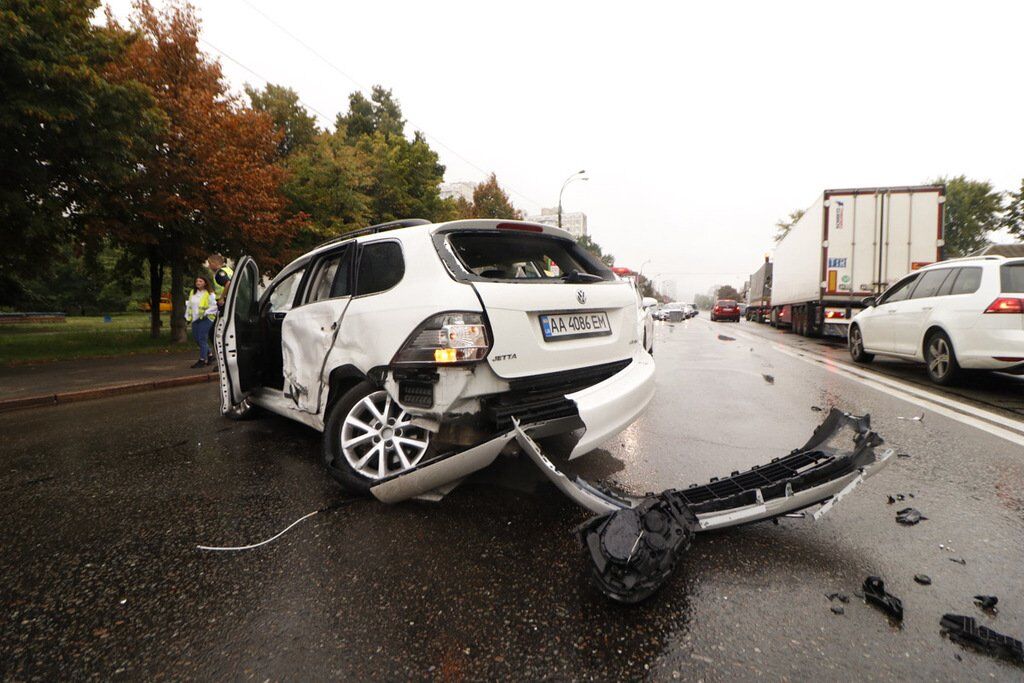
341 380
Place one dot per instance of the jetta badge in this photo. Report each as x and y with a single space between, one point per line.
581 296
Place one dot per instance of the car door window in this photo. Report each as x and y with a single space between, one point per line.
930 282
381 267
1011 278
899 291
947 286
332 278
282 297
967 282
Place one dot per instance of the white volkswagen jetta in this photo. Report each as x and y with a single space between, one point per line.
963 313
414 346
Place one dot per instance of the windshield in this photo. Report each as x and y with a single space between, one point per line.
521 257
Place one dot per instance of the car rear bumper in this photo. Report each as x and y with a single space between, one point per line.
978 349
608 407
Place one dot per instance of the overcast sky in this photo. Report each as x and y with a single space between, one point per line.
699 124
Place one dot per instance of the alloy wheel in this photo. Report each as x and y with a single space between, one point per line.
378 438
856 342
938 357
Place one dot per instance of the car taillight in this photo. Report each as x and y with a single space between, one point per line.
1006 305
835 314
521 227
447 339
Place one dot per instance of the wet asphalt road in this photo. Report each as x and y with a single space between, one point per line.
104 503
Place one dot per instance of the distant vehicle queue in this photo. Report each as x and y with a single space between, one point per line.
866 265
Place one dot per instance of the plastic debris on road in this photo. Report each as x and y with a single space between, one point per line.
923 579
875 594
965 631
909 516
987 602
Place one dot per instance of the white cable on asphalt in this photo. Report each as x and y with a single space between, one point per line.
279 534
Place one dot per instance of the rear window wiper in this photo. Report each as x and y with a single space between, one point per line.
577 276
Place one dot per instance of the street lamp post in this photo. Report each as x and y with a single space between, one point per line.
574 176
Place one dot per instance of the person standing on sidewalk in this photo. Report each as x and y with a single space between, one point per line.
201 311
221 280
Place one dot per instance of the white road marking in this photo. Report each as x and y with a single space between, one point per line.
987 421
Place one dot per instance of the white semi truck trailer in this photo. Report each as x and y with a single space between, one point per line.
851 244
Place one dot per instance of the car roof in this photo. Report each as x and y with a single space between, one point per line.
471 224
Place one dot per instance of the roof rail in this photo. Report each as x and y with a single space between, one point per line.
373 229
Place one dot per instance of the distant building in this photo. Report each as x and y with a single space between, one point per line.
459 188
575 222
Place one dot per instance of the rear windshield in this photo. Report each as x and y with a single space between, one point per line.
520 257
1012 277
726 302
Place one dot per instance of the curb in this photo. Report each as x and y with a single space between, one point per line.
102 392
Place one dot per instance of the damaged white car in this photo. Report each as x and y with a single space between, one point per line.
423 351
412 346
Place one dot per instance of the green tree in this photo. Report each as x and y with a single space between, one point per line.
1013 218
297 126
784 225
380 114
68 133
973 210
327 182
594 248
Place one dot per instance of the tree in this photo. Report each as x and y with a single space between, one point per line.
973 209
327 182
297 126
783 226
727 292
211 183
594 248
380 114
68 133
489 201
1013 219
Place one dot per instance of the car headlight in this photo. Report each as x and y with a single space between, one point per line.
447 339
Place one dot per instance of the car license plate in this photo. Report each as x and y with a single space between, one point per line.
559 326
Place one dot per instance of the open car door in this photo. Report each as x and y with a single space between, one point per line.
237 339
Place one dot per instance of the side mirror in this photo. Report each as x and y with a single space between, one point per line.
649 301
869 301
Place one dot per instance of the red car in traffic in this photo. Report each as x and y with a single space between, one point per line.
725 309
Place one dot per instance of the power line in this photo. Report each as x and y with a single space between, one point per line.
367 91
266 80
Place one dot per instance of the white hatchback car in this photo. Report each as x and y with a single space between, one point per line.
413 347
963 313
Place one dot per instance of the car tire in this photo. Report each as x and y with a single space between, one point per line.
352 454
940 359
856 345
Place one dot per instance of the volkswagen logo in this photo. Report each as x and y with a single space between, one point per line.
581 296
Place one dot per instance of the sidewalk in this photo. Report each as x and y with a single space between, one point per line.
42 384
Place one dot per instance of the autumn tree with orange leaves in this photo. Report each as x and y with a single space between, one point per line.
211 183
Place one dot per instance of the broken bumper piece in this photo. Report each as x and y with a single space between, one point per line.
634 544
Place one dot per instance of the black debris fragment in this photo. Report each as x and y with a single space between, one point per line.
957 657
923 579
958 560
903 455
769 379
986 601
838 609
875 594
817 409
909 516
723 337
965 631
841 597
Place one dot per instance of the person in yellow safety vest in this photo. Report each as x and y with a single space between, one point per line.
222 275
221 279
201 311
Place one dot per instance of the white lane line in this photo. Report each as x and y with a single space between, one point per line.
984 420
